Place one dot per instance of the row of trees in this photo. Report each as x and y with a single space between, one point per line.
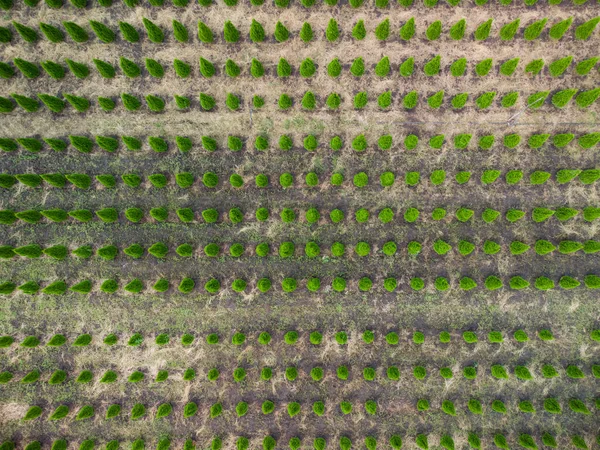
187 179
293 337
56 4
290 284
395 442
309 102
311 249
312 215
256 69
456 31
461 141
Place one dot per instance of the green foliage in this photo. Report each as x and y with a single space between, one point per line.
27 34
75 32
81 104
508 68
559 66
458 67
358 31
128 32
52 33
436 100
257 32
32 413
332 33
434 31
585 30
180 31
154 68
205 34
382 31
6 106
28 69
407 67
508 31
535 66
586 98
584 67
485 100
483 30
155 104
483 67
27 103
103 33
432 67
155 34
306 33
457 31
534 30
408 29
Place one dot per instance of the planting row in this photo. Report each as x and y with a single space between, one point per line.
56 4
333 32
294 409
309 102
290 338
289 284
310 142
317 373
288 249
312 215
395 442
284 69
211 180
421 441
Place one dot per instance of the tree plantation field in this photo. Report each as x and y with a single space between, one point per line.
299 224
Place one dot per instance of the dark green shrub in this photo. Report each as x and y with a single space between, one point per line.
457 31
103 33
155 34
422 442
128 32
434 31
161 214
584 31
432 67
508 31
232 102
28 69
483 30
130 102
434 101
155 104
408 29
82 215
459 67
584 67
81 104
27 34
52 33
27 103
483 67
53 103
559 66
508 67
332 33
485 100
407 67
586 98
231 33
75 32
